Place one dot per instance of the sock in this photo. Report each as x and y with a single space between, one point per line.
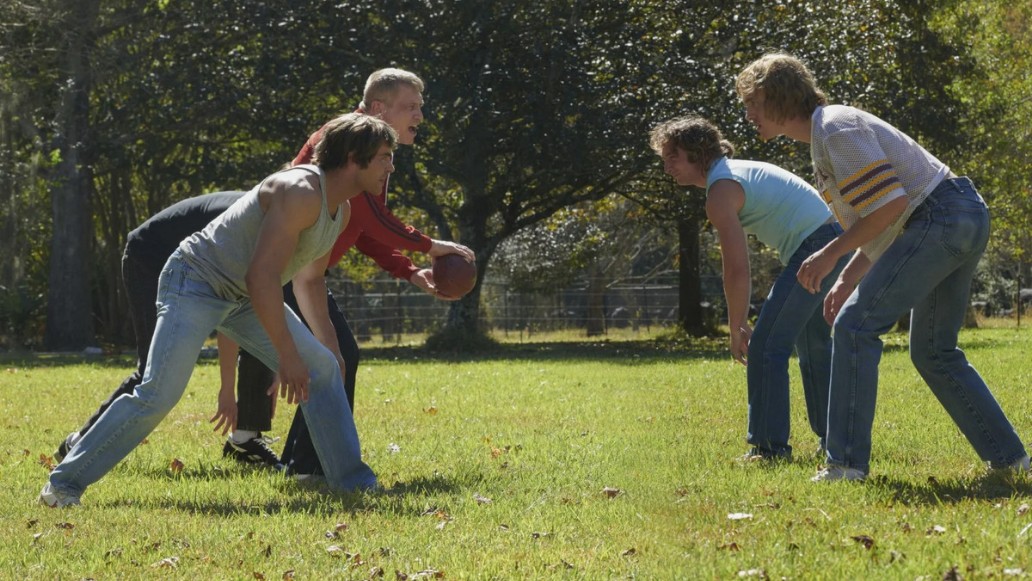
241 436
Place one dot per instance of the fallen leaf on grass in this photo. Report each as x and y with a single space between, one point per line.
1023 509
952 575
425 574
31 523
335 550
288 575
739 516
481 499
37 536
176 466
65 525
864 540
936 530
538 535
45 461
732 546
259 576
431 411
376 572
611 492
166 563
629 552
566 564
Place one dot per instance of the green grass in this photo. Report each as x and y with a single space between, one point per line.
540 429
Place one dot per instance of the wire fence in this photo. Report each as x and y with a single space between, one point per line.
389 309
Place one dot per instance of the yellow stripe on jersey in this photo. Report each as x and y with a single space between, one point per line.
869 184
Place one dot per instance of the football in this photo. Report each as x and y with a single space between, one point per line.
454 276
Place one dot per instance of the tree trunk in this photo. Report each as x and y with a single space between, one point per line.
596 309
693 319
69 324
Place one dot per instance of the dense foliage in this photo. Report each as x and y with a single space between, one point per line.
112 109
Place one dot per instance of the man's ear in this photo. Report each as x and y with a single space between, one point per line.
376 108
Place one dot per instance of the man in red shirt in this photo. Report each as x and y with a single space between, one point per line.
395 96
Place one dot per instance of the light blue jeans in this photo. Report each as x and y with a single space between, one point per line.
927 271
791 316
188 310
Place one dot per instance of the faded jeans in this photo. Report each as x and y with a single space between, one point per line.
927 271
188 310
791 316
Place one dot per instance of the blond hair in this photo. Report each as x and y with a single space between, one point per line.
788 88
383 85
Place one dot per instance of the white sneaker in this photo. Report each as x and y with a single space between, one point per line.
833 472
54 499
1021 465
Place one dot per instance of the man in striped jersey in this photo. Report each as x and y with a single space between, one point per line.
921 231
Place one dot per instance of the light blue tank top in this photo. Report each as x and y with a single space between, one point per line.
780 208
222 252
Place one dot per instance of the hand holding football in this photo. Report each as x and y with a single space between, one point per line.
454 276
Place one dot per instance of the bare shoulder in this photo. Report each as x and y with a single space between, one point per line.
725 198
295 192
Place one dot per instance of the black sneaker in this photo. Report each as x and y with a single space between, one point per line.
66 446
254 451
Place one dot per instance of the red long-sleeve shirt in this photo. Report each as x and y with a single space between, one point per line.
373 229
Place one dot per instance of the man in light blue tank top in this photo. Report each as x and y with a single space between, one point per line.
787 214
230 277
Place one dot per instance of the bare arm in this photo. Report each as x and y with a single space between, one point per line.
310 292
290 206
725 200
822 262
226 413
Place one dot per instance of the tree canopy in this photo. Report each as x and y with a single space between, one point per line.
113 109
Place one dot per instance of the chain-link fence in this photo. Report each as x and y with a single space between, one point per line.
389 309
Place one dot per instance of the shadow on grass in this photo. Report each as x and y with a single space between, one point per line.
308 497
990 486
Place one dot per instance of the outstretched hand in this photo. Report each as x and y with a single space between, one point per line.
226 414
293 379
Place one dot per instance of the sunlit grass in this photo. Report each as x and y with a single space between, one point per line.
602 459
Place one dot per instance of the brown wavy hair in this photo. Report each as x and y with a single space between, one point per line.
699 137
353 136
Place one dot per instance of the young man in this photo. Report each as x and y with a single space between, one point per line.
230 277
147 250
395 96
785 213
921 232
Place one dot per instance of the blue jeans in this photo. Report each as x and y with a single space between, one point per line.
927 271
791 316
188 310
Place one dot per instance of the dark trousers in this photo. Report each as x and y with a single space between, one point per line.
298 452
140 277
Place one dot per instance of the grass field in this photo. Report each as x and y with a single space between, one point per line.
568 460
